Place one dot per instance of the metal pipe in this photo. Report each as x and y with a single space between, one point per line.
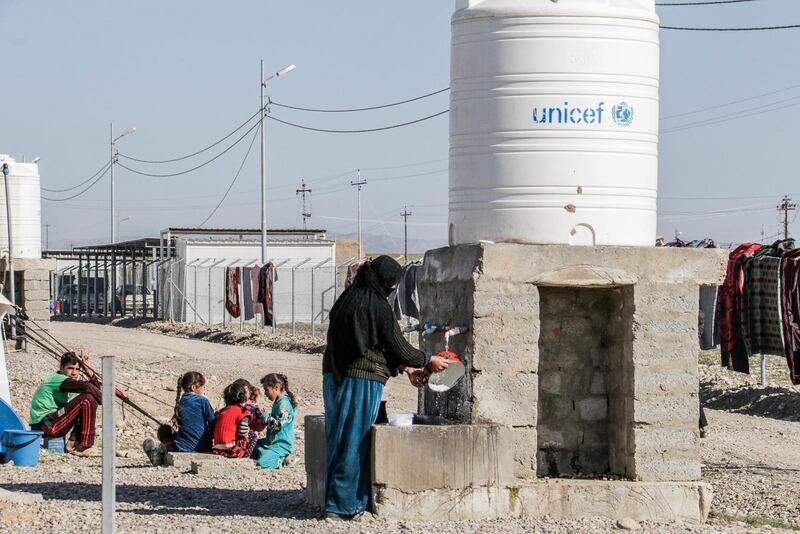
195 293
209 294
124 299
133 282
240 294
96 279
313 315
105 287
109 446
12 284
113 285
294 329
78 304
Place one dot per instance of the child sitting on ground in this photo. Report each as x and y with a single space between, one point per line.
56 414
192 424
273 451
233 424
255 412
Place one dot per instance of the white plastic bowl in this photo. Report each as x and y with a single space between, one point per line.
400 419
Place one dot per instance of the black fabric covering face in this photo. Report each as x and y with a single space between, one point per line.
358 314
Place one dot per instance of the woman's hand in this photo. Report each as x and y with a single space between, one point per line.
437 364
417 377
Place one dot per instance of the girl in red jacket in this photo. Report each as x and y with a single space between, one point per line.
232 424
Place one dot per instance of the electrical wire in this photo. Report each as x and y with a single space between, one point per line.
170 175
245 123
244 160
103 168
88 187
729 117
732 102
352 110
708 3
746 29
366 130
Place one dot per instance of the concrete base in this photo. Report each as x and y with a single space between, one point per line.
557 499
206 464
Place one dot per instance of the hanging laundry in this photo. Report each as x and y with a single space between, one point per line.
265 283
728 311
232 277
790 304
353 269
247 294
407 290
708 301
254 272
762 328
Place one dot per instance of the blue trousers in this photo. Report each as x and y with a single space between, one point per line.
350 411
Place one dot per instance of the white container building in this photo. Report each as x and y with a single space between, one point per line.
305 285
554 122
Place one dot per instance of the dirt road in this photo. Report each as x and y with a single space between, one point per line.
752 461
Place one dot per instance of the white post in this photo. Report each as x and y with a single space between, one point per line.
109 446
113 198
12 290
263 85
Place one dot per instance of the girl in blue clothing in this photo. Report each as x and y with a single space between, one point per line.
273 451
192 425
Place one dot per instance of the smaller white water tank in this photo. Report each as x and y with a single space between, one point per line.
26 209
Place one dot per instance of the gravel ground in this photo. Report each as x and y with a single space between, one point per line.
750 457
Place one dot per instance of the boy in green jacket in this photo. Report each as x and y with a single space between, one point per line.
64 402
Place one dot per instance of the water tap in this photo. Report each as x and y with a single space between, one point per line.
428 329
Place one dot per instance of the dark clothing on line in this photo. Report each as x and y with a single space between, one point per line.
729 311
265 279
790 300
247 294
232 277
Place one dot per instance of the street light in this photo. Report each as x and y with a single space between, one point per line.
12 289
120 222
114 231
285 70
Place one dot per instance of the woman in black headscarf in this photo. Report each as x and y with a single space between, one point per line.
365 348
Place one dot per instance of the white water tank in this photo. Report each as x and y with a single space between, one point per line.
26 209
554 122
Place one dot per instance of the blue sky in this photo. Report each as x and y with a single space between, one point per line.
186 73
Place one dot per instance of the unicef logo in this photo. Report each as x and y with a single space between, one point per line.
622 114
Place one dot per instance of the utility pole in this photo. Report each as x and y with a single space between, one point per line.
305 213
263 105
114 140
113 197
47 237
786 206
405 215
359 183
12 290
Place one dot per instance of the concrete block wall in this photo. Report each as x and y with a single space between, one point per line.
579 345
650 429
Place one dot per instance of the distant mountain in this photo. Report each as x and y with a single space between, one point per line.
391 244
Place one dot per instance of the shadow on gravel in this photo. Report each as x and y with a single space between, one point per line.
166 500
774 402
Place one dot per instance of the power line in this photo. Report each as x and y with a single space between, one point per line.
746 29
304 211
731 116
696 111
80 192
366 130
352 110
786 206
92 177
252 141
193 153
709 3
169 175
